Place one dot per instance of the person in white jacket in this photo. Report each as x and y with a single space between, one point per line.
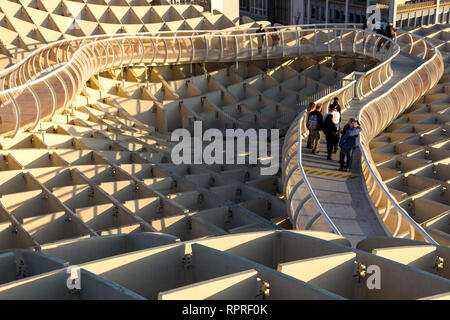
336 115
336 118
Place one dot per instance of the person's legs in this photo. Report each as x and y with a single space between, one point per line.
315 140
329 146
346 157
342 158
380 42
350 158
319 135
260 43
336 142
308 142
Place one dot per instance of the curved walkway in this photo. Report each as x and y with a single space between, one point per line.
31 93
343 195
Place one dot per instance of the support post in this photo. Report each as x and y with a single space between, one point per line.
346 11
308 19
438 2
393 12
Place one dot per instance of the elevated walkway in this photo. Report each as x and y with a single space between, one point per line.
343 195
26 102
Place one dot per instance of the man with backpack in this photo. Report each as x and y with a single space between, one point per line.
314 124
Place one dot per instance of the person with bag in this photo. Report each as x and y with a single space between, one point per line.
348 145
314 124
331 134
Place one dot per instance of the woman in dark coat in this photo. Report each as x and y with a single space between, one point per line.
331 134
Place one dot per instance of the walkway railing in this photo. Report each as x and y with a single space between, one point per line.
303 205
375 117
50 78
206 4
304 208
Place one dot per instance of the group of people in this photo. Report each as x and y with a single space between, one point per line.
389 32
329 124
274 36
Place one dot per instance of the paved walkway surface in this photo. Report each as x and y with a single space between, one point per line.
342 195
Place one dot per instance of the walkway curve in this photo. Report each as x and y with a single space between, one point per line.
415 71
51 77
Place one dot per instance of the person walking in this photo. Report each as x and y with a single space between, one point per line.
348 145
331 133
311 108
275 39
314 125
390 33
260 38
335 117
338 109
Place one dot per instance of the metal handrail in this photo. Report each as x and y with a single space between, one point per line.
306 181
394 202
299 158
200 33
317 96
140 36
116 38
380 183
